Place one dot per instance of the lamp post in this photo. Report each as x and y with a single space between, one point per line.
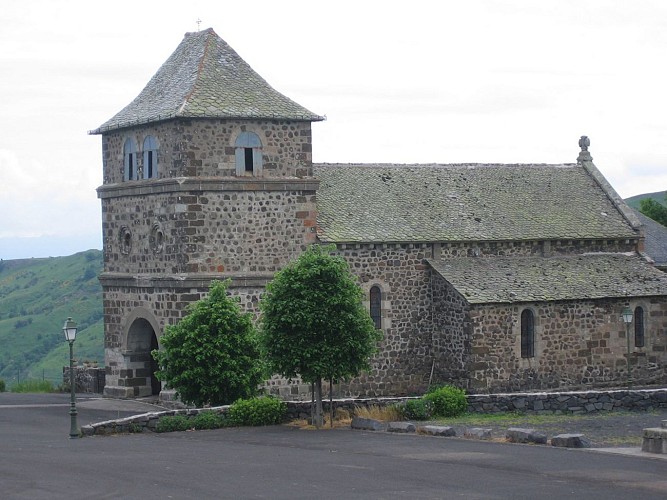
627 319
69 329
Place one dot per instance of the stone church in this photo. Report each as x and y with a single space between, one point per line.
492 277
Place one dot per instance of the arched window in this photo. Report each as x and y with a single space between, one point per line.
150 157
376 306
639 327
130 159
248 154
527 334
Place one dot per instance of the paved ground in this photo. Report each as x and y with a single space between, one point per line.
38 460
622 429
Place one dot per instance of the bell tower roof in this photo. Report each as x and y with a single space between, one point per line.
206 78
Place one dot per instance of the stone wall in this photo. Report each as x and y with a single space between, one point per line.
205 148
578 344
532 403
220 229
571 402
451 342
403 363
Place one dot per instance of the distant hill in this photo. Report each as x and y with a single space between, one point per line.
633 201
36 297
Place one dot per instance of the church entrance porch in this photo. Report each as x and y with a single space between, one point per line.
135 366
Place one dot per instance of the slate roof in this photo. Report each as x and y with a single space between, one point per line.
471 202
533 279
206 78
655 240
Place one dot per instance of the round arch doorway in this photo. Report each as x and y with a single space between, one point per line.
139 374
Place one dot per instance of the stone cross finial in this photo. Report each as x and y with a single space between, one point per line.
198 23
584 155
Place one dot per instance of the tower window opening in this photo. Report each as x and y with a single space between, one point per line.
149 164
130 160
150 158
248 154
248 160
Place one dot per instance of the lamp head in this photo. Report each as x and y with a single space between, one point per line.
69 329
627 315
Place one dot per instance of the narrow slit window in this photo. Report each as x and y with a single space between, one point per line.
248 160
150 157
130 160
376 306
527 334
639 327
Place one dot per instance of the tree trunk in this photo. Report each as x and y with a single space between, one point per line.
331 408
312 403
317 421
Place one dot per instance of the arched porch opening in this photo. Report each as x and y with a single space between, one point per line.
140 367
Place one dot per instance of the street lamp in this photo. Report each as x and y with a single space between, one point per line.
69 329
627 319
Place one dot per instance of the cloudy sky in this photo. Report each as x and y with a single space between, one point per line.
502 81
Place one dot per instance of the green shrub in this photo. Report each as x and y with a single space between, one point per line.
447 401
417 409
33 386
135 428
257 411
173 423
208 420
2 385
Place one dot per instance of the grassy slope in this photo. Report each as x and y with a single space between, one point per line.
36 296
633 201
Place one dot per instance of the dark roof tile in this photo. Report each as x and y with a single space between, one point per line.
206 78
429 203
535 279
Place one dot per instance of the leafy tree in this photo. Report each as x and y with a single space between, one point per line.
211 356
314 324
654 210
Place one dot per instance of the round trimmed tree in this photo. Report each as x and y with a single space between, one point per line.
313 323
212 355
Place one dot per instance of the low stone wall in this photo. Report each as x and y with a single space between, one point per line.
532 403
575 402
142 423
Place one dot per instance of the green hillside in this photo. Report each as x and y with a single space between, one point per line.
633 201
36 297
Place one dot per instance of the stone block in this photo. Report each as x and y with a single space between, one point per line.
570 441
87 430
478 433
654 440
402 427
367 424
518 435
437 430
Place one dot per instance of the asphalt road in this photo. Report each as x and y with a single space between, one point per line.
38 460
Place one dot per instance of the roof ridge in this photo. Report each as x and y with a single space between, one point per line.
200 69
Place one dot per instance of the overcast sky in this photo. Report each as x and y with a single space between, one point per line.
507 81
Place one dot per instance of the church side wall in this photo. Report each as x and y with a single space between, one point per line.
403 363
451 334
578 344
